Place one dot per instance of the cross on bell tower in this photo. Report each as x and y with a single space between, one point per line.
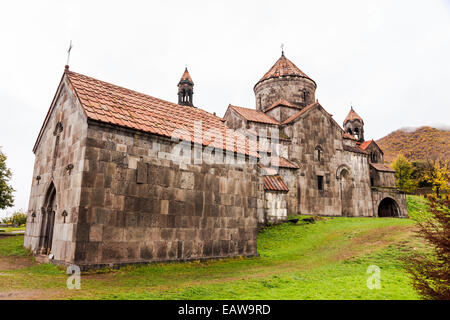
186 89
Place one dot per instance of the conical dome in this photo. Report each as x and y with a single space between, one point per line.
186 77
283 67
352 115
286 81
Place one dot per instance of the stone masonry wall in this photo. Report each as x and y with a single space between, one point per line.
290 177
282 113
289 88
71 148
317 129
275 206
382 178
178 212
378 194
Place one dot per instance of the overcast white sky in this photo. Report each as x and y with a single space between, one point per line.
389 58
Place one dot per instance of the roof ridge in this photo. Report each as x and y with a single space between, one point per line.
249 111
109 103
140 93
280 101
296 115
365 144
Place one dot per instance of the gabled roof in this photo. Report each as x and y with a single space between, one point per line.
281 102
275 183
186 76
305 110
285 163
352 115
364 145
254 115
301 112
381 167
282 68
108 103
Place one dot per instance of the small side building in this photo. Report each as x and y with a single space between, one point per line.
387 200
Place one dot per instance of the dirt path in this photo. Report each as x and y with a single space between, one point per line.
35 294
15 263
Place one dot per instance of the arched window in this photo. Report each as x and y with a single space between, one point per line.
319 153
374 157
356 132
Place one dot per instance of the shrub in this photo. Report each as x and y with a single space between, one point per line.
431 272
403 174
17 218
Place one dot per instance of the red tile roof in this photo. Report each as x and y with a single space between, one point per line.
352 115
285 163
275 183
381 167
186 76
364 145
280 102
283 67
298 114
254 115
115 105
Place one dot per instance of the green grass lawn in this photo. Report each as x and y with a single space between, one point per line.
324 260
9 229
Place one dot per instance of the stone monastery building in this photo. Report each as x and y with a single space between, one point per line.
123 177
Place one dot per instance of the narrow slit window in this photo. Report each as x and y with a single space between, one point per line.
320 182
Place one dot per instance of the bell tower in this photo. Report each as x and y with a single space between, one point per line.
186 89
354 125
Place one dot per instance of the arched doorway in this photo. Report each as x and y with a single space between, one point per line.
48 220
388 208
346 190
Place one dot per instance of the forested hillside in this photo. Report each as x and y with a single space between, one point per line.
418 144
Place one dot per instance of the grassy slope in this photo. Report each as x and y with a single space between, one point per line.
325 260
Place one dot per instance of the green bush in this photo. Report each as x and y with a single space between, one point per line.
17 218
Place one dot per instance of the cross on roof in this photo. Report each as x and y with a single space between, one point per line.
68 52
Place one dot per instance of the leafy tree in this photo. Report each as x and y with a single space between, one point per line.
418 173
6 191
437 172
403 174
431 272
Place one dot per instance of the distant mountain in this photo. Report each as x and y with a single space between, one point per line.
416 143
